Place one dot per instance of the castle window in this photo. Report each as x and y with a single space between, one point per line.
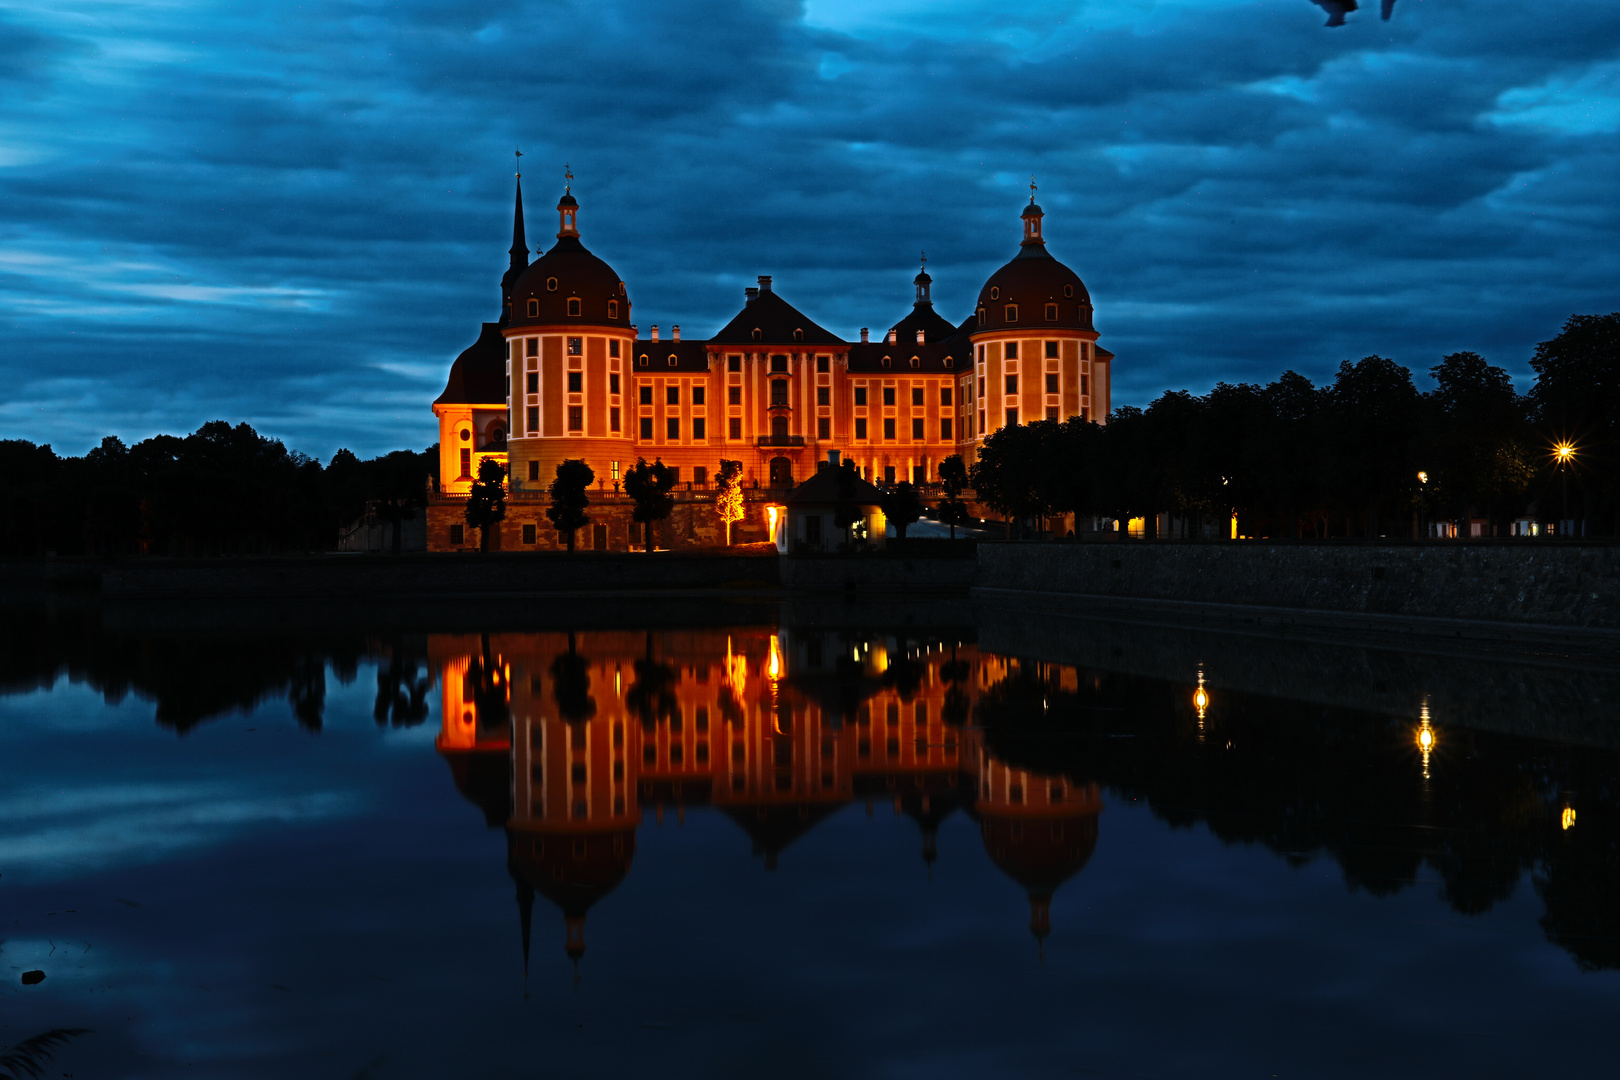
457 535
917 430
733 395
1051 350
613 419
671 359
980 314
888 428
1068 291
779 365
1012 384
576 346
613 349
823 364
860 428
779 392
915 361
613 471
613 309
733 363
672 394
528 534
646 393
532 346
576 382
573 305
945 429
1085 350
1051 412
613 383
885 361
646 428
551 284
824 427
1012 312
981 354
534 382
945 395
576 418
466 464
1051 313
995 293
734 428
917 396
466 434
672 428
643 359
888 395
756 334
698 395
823 395
699 428
534 470
860 395
621 288
1012 417
1052 383
1012 350
534 423
798 335
534 308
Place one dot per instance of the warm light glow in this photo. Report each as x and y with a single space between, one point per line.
1423 478
1563 452
1425 739
1568 819
774 665
772 513
1200 701
735 674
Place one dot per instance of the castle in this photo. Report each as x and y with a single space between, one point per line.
564 374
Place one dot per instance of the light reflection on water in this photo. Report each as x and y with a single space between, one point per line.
889 849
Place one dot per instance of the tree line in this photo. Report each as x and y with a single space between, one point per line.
1367 455
219 490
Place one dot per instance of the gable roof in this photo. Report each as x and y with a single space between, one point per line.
822 489
688 356
776 320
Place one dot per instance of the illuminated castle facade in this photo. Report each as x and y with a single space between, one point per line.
564 373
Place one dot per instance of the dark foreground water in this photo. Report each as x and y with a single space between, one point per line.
790 843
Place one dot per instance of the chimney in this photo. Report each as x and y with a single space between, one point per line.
751 293
919 337
865 335
675 332
655 331
832 458
764 283
892 335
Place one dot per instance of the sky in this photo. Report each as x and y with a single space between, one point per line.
297 215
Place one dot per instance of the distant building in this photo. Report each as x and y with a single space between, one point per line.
564 373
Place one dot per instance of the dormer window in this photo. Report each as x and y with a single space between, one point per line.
885 361
798 335
1051 313
981 316
643 359
1068 291
613 309
915 361
949 362
1012 312
551 284
671 359
534 308
756 334
995 292
573 306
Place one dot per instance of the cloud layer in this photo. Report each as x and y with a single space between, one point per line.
297 216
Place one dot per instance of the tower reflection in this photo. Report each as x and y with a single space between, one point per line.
565 740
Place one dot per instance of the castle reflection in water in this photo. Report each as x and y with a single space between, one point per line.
565 740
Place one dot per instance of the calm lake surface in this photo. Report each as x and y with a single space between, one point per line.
779 840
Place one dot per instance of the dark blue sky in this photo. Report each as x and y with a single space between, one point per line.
297 216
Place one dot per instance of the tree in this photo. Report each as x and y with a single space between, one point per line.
1374 415
902 507
1005 474
399 482
1480 452
648 485
729 501
953 477
486 502
1577 400
568 498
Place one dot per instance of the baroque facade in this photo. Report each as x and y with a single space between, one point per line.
564 373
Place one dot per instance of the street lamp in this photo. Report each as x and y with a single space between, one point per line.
1563 454
1423 508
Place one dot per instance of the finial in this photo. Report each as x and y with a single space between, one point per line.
519 155
925 260
1032 189
568 179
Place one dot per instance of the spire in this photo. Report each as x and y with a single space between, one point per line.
1032 224
567 207
519 251
923 281
525 901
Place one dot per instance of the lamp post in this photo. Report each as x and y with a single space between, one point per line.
1423 507
1564 453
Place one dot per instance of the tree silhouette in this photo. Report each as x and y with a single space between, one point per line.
568 498
648 485
486 501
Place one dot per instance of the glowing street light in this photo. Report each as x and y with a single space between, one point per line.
1563 454
1427 739
1567 820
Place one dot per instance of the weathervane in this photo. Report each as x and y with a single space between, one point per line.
925 260
519 155
1032 189
568 179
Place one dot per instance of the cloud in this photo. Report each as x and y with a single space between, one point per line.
298 217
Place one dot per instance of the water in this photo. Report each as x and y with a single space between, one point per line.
794 841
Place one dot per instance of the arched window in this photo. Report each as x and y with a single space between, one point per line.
643 359
573 306
798 335
1051 313
534 308
613 309
1012 312
981 316
756 333
915 361
551 284
671 359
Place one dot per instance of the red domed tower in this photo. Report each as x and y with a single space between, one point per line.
1035 354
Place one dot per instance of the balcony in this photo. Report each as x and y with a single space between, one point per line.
779 440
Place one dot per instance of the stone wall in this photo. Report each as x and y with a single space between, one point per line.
693 523
1570 584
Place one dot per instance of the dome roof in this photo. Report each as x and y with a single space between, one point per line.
569 272
478 377
1031 281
